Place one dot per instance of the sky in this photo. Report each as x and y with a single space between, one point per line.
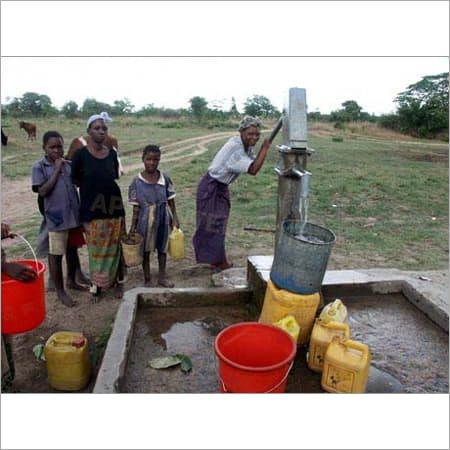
337 51
373 82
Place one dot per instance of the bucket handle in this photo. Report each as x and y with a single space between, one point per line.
29 245
270 390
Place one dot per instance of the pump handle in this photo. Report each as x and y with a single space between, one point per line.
276 129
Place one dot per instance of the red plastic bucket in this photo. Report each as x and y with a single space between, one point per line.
254 357
23 304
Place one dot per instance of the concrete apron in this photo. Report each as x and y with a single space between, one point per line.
428 291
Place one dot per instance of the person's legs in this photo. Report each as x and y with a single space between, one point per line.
71 260
58 244
146 269
162 279
120 278
55 266
80 277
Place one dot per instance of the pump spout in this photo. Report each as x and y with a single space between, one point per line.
305 177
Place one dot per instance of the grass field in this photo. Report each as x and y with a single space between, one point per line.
384 195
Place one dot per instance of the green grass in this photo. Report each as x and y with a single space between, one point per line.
386 201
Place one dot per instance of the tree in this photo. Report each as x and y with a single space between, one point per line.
350 113
423 107
70 109
198 107
259 106
122 107
35 104
92 106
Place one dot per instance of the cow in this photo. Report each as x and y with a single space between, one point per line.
110 142
30 128
4 138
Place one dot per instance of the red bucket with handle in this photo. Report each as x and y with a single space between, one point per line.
23 303
254 358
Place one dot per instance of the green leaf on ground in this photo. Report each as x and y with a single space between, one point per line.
163 362
38 351
186 363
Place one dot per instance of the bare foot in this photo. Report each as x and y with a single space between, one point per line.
118 291
76 286
164 282
66 299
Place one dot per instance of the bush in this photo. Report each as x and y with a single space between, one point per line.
337 139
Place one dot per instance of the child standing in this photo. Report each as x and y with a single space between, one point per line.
150 193
50 178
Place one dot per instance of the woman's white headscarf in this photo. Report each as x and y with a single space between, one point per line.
102 116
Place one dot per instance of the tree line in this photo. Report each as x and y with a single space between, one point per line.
422 109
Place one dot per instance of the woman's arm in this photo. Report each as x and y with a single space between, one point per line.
134 218
175 222
259 160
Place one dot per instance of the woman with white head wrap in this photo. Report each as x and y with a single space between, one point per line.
213 197
95 169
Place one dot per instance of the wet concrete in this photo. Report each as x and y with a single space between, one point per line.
409 352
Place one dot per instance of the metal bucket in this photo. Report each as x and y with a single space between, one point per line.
300 261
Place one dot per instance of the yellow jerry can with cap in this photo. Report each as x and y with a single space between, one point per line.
290 325
346 366
279 303
334 312
322 334
176 244
68 363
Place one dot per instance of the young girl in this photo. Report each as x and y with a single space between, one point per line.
150 193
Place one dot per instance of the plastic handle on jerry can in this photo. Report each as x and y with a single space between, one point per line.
340 327
354 345
75 342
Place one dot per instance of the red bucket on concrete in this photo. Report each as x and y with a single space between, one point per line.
23 304
254 358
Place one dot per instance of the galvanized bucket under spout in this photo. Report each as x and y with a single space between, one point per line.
301 257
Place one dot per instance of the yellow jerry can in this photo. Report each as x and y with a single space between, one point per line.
322 334
279 303
346 366
176 244
68 363
334 312
290 325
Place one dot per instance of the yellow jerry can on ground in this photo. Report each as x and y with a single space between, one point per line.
68 363
334 312
176 244
279 303
321 336
290 325
346 367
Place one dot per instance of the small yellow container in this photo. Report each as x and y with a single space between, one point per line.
322 334
334 312
279 303
346 367
290 325
68 363
176 244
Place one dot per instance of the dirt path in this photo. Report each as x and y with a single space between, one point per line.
19 202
